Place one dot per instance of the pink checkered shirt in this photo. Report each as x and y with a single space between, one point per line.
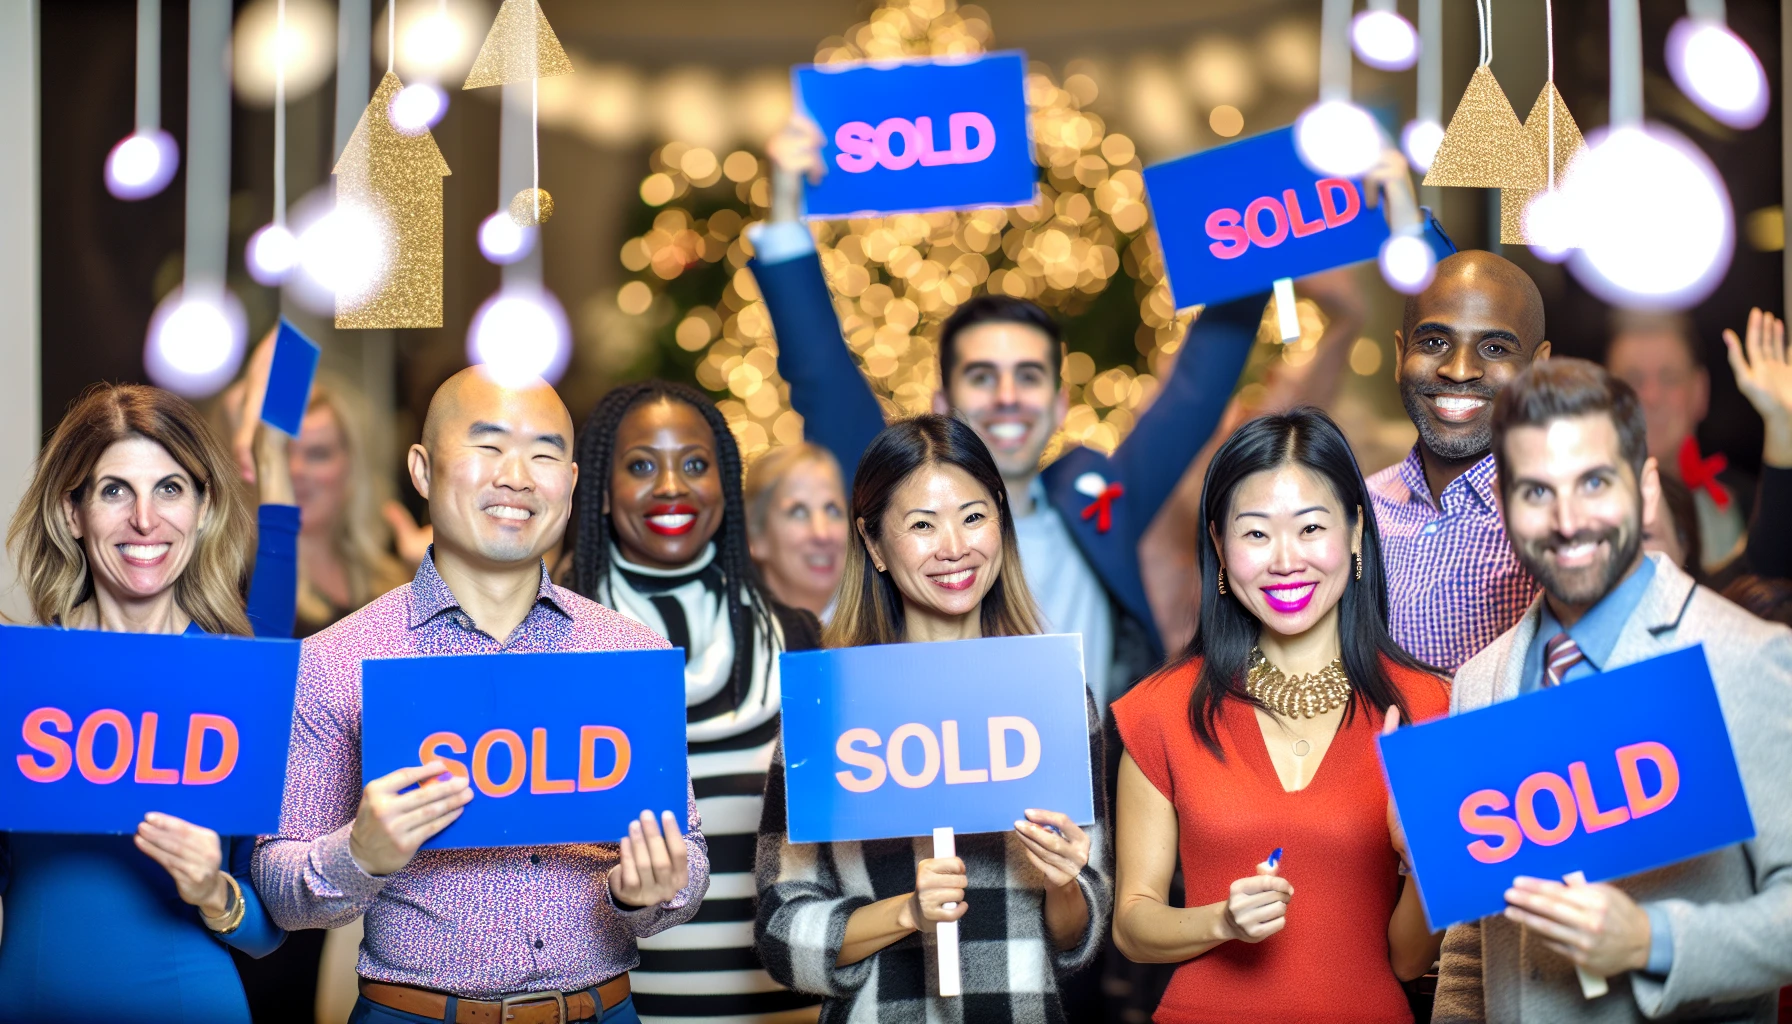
477 923
1454 584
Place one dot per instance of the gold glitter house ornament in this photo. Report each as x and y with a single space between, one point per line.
531 207
1485 146
1569 145
393 180
520 47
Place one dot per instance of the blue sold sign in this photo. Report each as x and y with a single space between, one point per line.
897 740
918 136
97 729
1235 218
1609 775
560 747
289 379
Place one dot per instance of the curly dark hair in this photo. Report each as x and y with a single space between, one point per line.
596 535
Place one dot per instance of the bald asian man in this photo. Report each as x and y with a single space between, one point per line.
1453 582
513 934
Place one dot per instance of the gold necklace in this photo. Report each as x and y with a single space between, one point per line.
1307 696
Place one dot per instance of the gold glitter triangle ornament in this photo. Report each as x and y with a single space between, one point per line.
1569 144
389 198
520 47
1485 146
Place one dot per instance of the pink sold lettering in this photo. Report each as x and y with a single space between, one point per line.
1268 221
915 741
863 147
1571 801
45 730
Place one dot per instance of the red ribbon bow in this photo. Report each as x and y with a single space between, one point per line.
1102 510
1699 472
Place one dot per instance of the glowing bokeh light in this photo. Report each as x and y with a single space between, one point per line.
1650 215
195 342
344 253
142 164
1338 138
1549 223
502 240
418 107
1407 263
519 334
1385 40
1420 139
272 254
1718 71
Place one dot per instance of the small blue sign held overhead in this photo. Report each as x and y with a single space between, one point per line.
593 740
289 380
902 739
917 136
1236 218
1609 775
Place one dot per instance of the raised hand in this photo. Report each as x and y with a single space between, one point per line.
246 422
1257 907
192 855
1060 856
795 153
938 881
1764 376
391 824
1392 176
654 864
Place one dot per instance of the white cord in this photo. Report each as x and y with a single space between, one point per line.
535 145
280 114
1549 38
391 33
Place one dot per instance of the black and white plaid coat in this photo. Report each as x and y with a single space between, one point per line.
1008 962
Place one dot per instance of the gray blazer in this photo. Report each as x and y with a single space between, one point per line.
1731 910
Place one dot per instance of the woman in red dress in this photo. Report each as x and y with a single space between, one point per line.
1253 757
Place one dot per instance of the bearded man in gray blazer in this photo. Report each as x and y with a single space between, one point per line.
1706 939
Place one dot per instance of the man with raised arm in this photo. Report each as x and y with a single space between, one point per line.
516 934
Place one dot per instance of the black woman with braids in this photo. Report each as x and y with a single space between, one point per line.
662 538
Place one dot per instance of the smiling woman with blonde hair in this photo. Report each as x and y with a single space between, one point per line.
132 524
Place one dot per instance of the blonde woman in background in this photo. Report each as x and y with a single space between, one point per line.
796 525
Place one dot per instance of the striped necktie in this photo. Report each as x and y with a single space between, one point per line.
1559 656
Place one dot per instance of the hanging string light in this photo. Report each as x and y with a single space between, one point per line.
143 162
1715 68
1421 135
1382 38
273 251
1335 136
1647 209
1532 216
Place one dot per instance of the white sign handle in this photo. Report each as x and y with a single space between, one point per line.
946 932
1285 314
1592 986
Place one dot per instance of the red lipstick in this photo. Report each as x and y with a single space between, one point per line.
673 520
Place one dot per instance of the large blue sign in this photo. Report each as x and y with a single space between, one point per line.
922 135
289 379
560 747
1235 218
98 729
1609 775
897 740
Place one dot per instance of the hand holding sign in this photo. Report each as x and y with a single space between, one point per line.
1598 927
192 855
940 883
394 819
1055 845
654 864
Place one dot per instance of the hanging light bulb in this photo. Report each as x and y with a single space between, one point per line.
273 253
195 341
344 252
502 240
142 164
1650 215
519 334
1549 221
1383 39
1718 71
1407 263
1420 140
1338 138
418 107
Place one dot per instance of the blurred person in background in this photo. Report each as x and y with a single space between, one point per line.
661 537
796 525
1763 369
131 524
1661 358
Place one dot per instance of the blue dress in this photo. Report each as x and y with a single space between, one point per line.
95 930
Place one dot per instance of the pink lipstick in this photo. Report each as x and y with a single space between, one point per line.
1290 598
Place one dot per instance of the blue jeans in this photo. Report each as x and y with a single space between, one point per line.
367 1012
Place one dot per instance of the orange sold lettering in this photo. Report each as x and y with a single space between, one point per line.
528 764
135 750
1575 804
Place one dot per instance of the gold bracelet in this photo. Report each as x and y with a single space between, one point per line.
233 911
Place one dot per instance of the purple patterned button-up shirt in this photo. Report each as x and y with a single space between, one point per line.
477 923
1454 584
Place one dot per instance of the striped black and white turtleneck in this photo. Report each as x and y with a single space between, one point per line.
707 969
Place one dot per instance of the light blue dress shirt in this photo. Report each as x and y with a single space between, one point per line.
1596 634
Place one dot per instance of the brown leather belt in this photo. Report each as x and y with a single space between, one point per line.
522 1008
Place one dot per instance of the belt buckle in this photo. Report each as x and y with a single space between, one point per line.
511 1002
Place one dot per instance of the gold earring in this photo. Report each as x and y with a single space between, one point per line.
1359 565
1222 581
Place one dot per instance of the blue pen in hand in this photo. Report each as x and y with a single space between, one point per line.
1272 862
